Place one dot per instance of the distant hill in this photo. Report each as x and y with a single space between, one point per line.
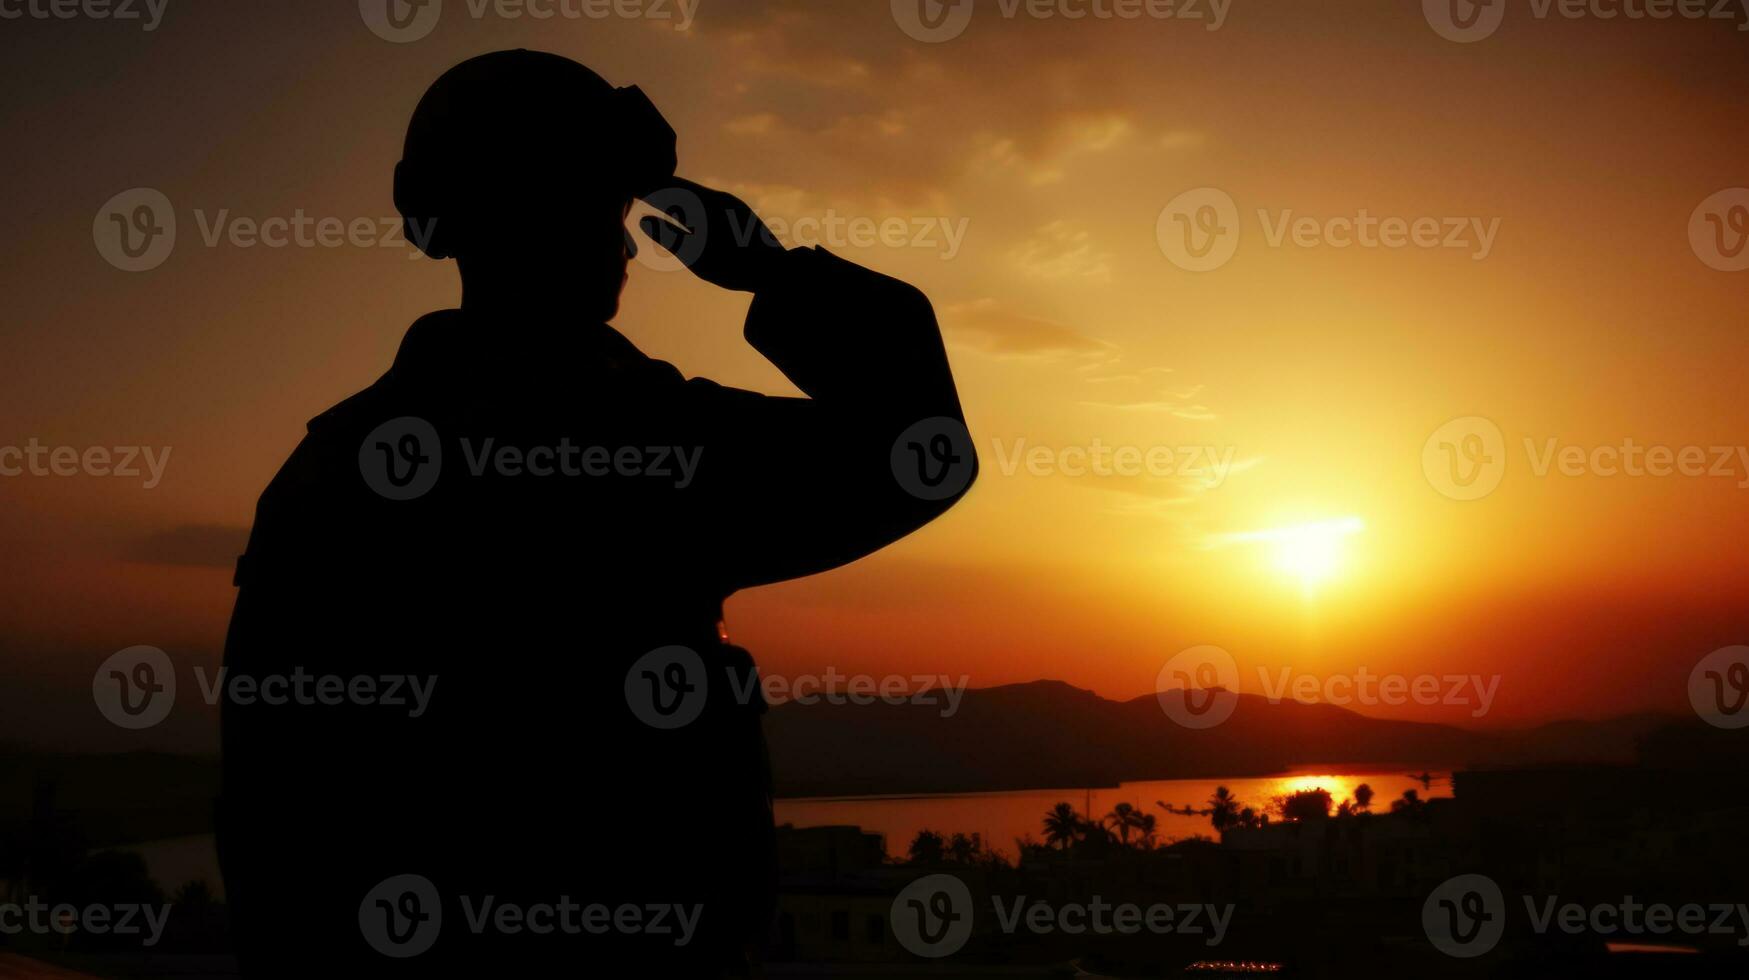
1042 735
1048 734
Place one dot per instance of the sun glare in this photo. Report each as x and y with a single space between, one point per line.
1311 554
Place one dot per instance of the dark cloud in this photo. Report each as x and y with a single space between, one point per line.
842 84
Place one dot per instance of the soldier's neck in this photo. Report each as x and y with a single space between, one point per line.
522 311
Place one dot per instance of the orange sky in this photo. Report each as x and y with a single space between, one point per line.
1053 146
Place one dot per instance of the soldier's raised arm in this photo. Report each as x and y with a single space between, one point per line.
878 448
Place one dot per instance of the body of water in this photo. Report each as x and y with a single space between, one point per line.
1002 818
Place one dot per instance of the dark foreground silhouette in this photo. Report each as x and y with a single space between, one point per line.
535 524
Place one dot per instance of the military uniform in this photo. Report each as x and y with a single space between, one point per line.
527 596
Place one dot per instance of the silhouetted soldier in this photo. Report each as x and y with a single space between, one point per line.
508 518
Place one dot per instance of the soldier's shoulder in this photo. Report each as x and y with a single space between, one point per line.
329 446
705 395
364 408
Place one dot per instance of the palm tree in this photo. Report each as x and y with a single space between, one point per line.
1145 825
1363 797
1062 825
1122 817
1223 809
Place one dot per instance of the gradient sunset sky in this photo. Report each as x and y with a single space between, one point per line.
1054 144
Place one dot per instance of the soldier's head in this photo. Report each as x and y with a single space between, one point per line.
521 166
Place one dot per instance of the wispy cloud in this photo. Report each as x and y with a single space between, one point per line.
1147 396
1061 251
987 326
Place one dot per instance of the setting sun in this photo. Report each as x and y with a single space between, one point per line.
1167 488
1311 553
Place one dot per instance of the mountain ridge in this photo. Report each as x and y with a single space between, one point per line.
998 739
